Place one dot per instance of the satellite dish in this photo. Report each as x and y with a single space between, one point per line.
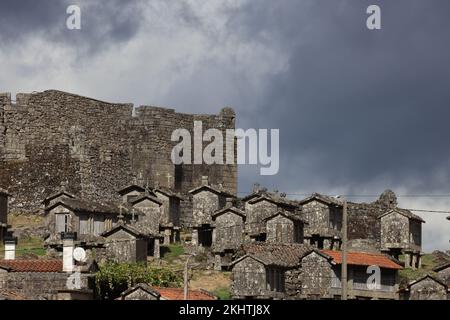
79 254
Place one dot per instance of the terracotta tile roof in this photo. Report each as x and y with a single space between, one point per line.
283 255
363 259
178 294
32 265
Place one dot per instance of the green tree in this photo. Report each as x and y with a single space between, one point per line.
114 278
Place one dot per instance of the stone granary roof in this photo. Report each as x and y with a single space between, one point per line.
281 255
427 276
32 265
276 199
442 267
143 286
212 189
57 194
321 198
363 259
3 192
229 209
403 212
144 197
167 192
78 205
129 188
135 231
287 214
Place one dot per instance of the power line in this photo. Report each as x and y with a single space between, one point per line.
369 195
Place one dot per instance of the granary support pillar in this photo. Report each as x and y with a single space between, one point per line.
194 240
407 260
167 235
217 262
419 261
327 244
156 249
413 260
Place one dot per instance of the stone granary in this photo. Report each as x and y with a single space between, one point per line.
228 234
260 272
53 136
88 219
268 271
125 243
3 213
260 205
401 233
169 222
426 288
96 226
323 215
163 207
206 200
443 272
284 227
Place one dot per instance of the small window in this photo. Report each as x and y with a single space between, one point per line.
62 222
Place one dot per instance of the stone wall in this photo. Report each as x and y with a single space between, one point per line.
229 232
315 275
96 147
152 213
281 230
248 279
121 247
37 285
363 222
318 214
394 231
256 213
3 211
204 204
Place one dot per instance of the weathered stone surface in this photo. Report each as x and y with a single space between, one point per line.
96 147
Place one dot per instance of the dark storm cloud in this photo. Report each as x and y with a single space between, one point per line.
104 23
356 105
358 110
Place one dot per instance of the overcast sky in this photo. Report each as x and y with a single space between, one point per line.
359 111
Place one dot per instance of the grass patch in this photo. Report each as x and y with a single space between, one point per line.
22 220
172 251
428 264
27 246
223 293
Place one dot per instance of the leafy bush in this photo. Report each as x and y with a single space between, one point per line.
114 278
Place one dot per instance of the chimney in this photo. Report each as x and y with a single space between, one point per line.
229 202
10 248
68 239
205 181
256 187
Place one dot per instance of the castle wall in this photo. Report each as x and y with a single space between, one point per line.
97 147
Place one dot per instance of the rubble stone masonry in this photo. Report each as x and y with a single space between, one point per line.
54 137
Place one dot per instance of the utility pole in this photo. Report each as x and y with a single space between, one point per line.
186 278
344 283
